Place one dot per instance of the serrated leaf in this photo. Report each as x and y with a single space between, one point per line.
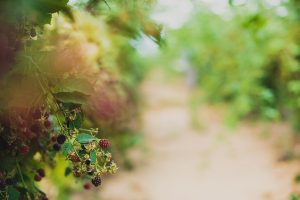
66 148
13 194
93 156
71 97
84 138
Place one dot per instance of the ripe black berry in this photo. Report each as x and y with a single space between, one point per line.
87 186
56 147
37 178
61 139
104 143
41 172
88 162
96 181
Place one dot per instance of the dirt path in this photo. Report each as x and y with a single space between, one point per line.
213 163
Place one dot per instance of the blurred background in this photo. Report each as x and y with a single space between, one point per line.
219 115
200 98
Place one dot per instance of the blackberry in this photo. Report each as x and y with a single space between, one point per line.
96 181
87 186
37 178
41 172
88 162
56 147
61 139
104 143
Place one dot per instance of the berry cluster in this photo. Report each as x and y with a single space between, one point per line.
22 128
59 140
90 160
40 173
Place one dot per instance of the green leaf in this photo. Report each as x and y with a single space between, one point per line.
66 148
84 138
77 122
68 171
71 97
75 85
93 156
13 194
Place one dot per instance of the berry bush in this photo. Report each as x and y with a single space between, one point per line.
64 78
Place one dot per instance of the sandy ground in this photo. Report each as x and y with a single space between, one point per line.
209 163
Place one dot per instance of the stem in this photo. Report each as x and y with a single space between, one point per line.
22 179
107 4
88 130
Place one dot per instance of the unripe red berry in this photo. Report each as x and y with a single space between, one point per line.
47 124
74 158
27 133
87 186
37 178
104 143
24 149
53 139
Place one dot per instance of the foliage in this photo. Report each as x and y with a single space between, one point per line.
247 57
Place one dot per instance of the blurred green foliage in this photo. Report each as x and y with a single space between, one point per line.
247 57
